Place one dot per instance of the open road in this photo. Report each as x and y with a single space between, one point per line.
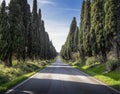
60 78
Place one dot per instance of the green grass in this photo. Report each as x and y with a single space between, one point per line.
20 71
14 82
111 78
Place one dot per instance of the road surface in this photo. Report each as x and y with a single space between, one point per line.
60 78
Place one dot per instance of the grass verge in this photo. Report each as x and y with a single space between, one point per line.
9 77
112 78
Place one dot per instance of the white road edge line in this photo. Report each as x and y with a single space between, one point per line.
12 89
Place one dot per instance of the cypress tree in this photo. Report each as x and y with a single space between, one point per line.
23 33
39 23
29 33
97 33
47 46
39 19
34 11
26 18
117 3
42 37
17 30
86 28
76 39
69 46
34 29
73 27
94 15
70 40
111 25
5 37
53 52
80 38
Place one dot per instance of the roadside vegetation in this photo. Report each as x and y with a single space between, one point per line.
20 71
97 70
23 34
94 47
25 47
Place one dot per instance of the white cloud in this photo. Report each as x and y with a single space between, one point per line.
46 2
70 9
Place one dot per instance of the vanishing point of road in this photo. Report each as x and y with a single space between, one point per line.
60 78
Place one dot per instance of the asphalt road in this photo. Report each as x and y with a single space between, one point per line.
60 78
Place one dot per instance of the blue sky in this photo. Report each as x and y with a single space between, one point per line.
58 15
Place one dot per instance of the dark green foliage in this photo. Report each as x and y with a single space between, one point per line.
70 45
17 30
72 34
22 33
99 34
111 9
80 37
76 39
97 29
26 18
86 28
34 30
112 64
41 45
5 36
117 2
95 19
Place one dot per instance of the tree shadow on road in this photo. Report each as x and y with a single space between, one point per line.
50 86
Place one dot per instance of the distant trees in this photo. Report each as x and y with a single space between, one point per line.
99 32
22 33
70 45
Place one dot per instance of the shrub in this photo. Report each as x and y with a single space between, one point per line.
112 64
75 56
3 78
91 61
43 63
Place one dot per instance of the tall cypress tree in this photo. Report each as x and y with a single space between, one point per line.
39 32
26 18
94 15
34 29
34 11
98 35
42 37
111 25
29 32
80 38
69 46
5 37
73 27
86 28
17 30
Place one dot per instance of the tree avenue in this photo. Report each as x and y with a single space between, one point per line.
22 33
98 35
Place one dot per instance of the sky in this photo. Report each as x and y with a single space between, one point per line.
58 15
